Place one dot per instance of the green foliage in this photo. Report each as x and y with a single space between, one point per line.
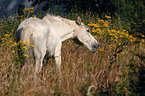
132 14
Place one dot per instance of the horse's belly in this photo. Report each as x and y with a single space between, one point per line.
51 46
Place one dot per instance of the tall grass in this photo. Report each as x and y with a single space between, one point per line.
116 69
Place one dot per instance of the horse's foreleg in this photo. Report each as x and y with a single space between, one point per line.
57 57
58 62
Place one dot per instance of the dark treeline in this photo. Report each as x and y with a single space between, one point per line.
130 12
95 6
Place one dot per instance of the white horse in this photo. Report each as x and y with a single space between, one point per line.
47 35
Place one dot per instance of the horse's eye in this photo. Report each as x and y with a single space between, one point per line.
88 30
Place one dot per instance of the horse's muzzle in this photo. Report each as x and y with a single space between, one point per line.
95 47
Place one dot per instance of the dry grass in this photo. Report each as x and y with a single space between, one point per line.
83 73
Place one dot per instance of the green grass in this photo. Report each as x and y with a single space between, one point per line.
116 69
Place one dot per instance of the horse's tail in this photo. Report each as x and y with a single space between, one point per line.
23 38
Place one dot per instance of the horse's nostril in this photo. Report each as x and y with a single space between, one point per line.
97 46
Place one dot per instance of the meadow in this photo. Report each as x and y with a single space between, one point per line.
117 68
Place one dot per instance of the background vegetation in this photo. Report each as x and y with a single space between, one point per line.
117 68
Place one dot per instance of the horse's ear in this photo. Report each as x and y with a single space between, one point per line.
78 21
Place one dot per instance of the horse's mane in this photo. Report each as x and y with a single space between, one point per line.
52 17
59 18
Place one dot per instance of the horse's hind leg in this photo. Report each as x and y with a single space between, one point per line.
39 56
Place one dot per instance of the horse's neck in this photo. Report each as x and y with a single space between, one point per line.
69 33
65 28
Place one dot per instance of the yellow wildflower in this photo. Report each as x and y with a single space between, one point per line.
109 31
13 51
142 35
96 25
25 55
31 43
121 53
23 10
25 48
112 45
33 15
0 69
22 16
118 54
131 36
27 9
108 17
101 49
11 41
98 30
116 37
142 40
31 11
131 40
21 41
17 57
100 20
7 35
118 32
32 46
140 43
126 71
2 39
105 25
15 44
123 30
95 36
32 8
106 21
113 30
88 24
94 31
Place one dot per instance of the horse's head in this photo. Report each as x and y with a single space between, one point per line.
83 36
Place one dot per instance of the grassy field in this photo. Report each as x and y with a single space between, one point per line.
117 68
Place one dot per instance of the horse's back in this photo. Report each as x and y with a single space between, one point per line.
30 27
